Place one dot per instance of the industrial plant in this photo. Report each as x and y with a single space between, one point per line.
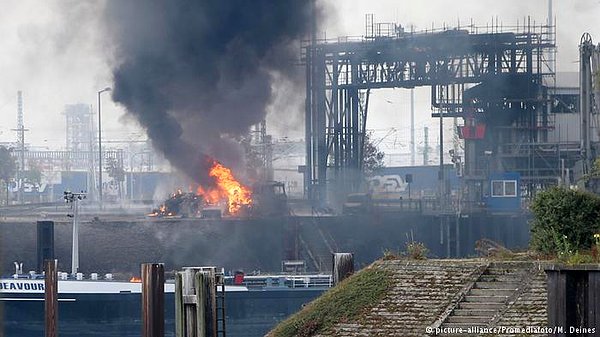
242 209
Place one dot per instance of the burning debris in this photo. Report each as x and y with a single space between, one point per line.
228 188
180 204
227 193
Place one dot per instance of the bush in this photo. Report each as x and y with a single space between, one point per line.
565 221
416 250
390 255
579 258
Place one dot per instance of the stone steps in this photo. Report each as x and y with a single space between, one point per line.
491 292
483 311
471 319
497 285
485 299
500 278
500 271
480 305
489 295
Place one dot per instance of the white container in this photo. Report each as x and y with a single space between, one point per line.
64 276
94 276
79 276
108 276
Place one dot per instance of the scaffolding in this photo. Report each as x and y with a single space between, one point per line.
497 75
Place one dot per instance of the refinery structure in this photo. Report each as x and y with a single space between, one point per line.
214 186
515 114
496 85
515 121
517 127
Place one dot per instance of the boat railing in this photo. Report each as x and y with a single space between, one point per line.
284 281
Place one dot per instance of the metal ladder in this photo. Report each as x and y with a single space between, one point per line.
220 305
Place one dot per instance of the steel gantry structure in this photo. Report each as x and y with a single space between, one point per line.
342 73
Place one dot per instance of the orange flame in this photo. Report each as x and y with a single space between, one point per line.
134 279
228 188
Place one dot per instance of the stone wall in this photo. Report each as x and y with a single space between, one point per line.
422 292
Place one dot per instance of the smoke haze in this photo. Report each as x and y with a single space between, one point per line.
198 74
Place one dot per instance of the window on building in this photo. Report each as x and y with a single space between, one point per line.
510 188
504 188
497 188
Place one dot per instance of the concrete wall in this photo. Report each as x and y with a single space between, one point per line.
257 244
123 246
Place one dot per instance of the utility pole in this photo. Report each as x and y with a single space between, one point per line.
412 127
441 176
425 146
21 143
100 145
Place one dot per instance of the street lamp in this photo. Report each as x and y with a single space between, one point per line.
100 145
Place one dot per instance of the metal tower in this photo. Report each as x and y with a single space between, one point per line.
589 57
20 144
494 75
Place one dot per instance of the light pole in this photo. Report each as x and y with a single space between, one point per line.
100 145
74 199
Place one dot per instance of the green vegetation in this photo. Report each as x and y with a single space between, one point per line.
565 222
34 174
389 254
372 156
416 250
8 165
348 301
8 168
594 172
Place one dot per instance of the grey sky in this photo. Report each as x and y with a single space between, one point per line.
54 51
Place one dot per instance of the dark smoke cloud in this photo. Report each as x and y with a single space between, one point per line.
198 74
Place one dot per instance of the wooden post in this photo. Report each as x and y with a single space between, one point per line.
179 306
51 298
153 300
206 311
573 299
211 303
195 303
45 243
201 298
343 266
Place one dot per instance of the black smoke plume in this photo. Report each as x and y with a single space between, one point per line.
198 74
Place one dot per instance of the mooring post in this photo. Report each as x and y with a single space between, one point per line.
45 243
179 306
343 266
153 300
201 301
195 303
51 298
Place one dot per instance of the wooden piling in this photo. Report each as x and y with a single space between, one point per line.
179 306
343 266
153 300
195 303
201 299
211 303
51 298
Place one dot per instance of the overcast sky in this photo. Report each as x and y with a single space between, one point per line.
55 52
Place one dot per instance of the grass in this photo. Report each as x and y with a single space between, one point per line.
350 300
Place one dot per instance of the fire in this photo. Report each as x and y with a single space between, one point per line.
228 188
